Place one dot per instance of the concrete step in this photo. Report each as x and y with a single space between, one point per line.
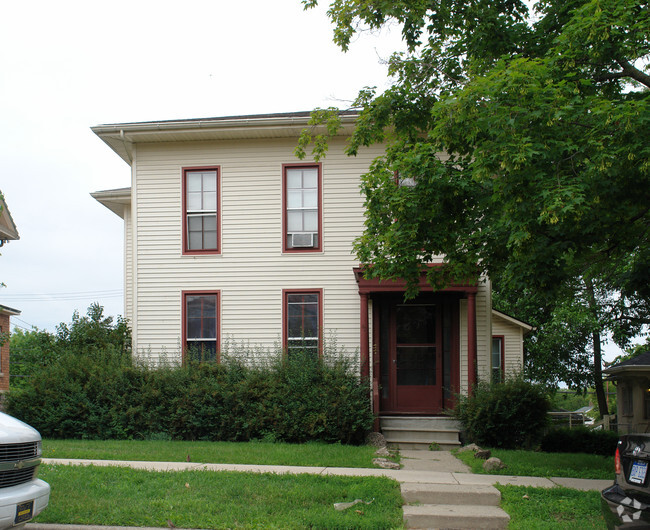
427 422
455 516
419 434
476 495
418 446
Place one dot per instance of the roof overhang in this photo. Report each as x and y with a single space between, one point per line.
527 327
121 137
4 310
115 200
8 230
376 285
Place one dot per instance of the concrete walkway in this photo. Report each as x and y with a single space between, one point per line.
425 467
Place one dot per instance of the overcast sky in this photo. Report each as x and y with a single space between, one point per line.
68 65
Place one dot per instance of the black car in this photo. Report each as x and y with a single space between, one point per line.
626 504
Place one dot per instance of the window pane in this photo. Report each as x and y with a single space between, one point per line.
416 324
193 181
194 201
209 328
210 240
196 240
194 309
209 306
310 178
311 221
210 201
210 222
193 328
496 353
310 198
210 181
294 178
294 199
195 223
294 221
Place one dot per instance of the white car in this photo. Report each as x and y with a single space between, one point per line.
22 495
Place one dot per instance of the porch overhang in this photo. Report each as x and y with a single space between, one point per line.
376 285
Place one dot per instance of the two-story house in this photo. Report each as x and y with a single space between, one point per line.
8 232
228 237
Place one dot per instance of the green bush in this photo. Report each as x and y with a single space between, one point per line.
509 415
580 440
97 392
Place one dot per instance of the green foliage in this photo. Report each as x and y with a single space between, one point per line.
509 415
580 440
523 127
522 463
93 390
113 497
84 339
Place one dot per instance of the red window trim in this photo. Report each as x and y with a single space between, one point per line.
503 353
319 245
285 319
185 171
184 295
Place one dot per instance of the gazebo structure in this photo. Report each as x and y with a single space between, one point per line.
632 378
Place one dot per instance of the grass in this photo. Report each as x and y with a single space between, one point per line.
537 464
541 508
309 454
203 499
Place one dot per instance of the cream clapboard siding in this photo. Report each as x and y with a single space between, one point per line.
252 271
513 343
483 334
128 264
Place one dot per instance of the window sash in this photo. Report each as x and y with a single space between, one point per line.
201 209
303 321
302 208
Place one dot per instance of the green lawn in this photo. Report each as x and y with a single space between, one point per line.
538 464
205 499
550 509
309 454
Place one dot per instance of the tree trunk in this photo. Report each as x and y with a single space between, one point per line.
598 358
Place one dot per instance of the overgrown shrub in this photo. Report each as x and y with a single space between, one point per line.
508 415
97 392
580 440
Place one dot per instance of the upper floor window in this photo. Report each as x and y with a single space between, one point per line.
302 210
200 207
200 325
302 321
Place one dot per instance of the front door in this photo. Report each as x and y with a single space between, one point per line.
411 356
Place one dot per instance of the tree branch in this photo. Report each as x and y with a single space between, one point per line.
633 72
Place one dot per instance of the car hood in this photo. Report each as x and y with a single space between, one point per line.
15 431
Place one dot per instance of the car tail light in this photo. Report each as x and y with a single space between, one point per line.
617 462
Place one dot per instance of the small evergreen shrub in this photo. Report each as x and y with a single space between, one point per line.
509 415
580 440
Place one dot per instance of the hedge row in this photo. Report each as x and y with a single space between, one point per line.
580 440
106 396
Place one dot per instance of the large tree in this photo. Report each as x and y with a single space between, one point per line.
517 145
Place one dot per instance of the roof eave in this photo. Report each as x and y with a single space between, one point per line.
115 200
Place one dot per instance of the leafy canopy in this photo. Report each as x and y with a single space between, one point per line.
525 134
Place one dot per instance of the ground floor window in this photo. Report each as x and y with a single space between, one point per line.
302 321
497 363
201 329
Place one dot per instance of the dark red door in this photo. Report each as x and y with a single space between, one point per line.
415 369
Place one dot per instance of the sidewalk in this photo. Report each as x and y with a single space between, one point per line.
425 467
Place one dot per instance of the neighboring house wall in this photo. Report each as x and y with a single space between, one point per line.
632 402
251 270
4 353
513 338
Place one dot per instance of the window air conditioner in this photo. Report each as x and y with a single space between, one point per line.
302 240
